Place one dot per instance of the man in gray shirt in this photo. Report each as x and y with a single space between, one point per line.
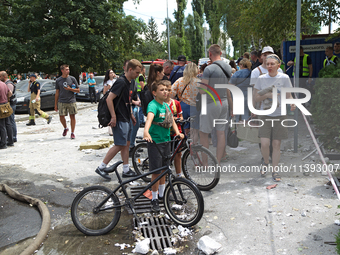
65 98
216 73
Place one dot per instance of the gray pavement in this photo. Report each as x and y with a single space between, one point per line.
296 217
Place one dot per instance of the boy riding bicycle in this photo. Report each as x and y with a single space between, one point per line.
157 129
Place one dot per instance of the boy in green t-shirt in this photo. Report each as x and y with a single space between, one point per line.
161 135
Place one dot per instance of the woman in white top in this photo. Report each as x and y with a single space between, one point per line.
110 78
277 131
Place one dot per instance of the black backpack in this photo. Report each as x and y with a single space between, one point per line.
145 97
13 97
104 115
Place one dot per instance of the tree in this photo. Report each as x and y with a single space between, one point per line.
179 16
198 9
151 33
40 35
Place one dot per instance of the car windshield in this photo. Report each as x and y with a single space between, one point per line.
22 86
99 81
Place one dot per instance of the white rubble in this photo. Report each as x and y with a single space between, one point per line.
208 245
142 246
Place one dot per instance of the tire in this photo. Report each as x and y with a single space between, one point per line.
204 179
190 208
140 160
82 211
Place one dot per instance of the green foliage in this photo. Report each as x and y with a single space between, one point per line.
326 103
337 240
198 40
40 35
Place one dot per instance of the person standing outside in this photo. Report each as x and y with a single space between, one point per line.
140 81
168 66
158 112
5 125
254 59
109 80
12 100
34 88
214 74
330 58
306 69
272 132
178 70
337 49
65 98
120 119
92 88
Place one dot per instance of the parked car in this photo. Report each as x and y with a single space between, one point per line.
84 89
47 95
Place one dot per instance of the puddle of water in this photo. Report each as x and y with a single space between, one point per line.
67 240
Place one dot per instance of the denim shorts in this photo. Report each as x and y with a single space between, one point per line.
121 133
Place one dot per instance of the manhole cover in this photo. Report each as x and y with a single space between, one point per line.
158 230
142 204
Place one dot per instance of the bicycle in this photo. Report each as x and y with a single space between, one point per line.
197 162
96 210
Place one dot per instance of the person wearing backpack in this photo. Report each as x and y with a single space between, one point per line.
216 73
118 102
12 101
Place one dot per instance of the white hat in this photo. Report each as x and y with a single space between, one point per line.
267 49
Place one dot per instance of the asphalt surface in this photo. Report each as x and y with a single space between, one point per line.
295 217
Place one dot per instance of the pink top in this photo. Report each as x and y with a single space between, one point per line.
3 92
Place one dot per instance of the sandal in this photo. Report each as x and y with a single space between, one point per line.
276 177
225 158
264 168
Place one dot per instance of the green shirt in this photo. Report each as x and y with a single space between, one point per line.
157 133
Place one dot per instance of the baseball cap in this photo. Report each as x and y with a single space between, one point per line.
182 58
267 49
33 75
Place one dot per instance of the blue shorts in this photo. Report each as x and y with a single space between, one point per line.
121 133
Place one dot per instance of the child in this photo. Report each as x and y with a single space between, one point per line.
157 128
175 107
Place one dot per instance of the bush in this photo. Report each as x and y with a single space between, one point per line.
326 104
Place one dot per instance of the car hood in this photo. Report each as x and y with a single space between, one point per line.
22 94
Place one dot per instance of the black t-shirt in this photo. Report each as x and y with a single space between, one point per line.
255 64
122 87
309 62
35 86
165 78
133 92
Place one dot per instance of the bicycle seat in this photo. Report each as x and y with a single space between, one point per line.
113 168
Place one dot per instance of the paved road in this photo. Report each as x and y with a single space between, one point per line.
240 213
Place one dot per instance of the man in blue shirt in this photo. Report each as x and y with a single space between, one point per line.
178 70
92 89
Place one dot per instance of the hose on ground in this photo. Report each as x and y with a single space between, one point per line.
45 214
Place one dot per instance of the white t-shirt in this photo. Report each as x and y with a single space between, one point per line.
279 81
256 74
110 82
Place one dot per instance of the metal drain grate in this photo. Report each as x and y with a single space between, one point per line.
157 230
142 204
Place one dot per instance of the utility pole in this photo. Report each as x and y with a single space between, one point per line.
167 18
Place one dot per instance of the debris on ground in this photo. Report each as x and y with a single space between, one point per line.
169 251
271 186
183 231
122 246
208 245
142 246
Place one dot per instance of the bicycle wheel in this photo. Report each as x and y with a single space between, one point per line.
140 160
196 170
188 210
89 221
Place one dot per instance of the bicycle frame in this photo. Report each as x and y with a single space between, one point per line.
122 184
